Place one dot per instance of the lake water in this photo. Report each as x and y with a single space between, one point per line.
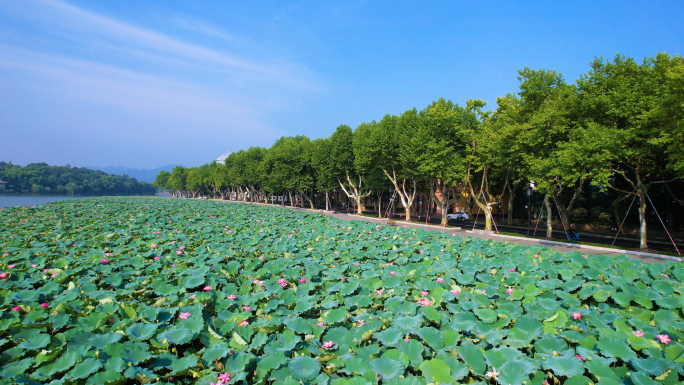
31 200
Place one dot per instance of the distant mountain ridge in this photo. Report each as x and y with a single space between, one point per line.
142 175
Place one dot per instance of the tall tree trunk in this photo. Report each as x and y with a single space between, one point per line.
406 198
379 203
327 202
549 217
643 244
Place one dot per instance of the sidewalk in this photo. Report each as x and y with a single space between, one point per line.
560 246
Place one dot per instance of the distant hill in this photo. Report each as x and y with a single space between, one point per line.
142 175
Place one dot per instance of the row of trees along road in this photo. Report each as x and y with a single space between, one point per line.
618 128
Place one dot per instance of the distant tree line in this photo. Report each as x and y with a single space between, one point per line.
616 135
40 178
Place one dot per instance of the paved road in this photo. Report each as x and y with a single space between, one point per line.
465 231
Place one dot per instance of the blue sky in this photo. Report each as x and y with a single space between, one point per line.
149 83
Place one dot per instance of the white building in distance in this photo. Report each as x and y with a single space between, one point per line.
222 159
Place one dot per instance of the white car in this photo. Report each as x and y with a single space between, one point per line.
458 217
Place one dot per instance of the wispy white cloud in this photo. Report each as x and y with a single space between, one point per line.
125 82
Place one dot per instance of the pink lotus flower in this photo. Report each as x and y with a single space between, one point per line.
580 357
108 254
282 282
512 270
424 302
379 292
454 292
181 248
577 316
223 378
328 345
442 250
156 258
421 252
184 315
153 245
178 252
406 242
424 293
257 282
243 323
192 296
54 275
440 280
104 261
509 290
360 323
207 288
664 338
320 324
11 266
34 265
16 308
392 273
173 242
246 308
536 256
492 374
407 338
356 264
665 275
638 333
232 296
302 280
3 275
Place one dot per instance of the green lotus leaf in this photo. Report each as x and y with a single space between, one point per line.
499 356
299 325
65 362
215 352
387 368
85 368
549 345
16 368
139 374
567 366
176 336
515 372
641 379
389 336
436 370
486 315
193 281
675 353
472 356
336 315
141 331
650 365
431 313
36 342
355 365
99 341
408 323
432 337
183 363
24 296
615 347
270 362
106 377
304 368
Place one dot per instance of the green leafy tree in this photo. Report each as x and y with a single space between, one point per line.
349 172
626 115
162 179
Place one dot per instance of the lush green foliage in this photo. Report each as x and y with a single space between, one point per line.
40 178
179 291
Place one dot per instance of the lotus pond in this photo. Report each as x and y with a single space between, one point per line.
139 290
